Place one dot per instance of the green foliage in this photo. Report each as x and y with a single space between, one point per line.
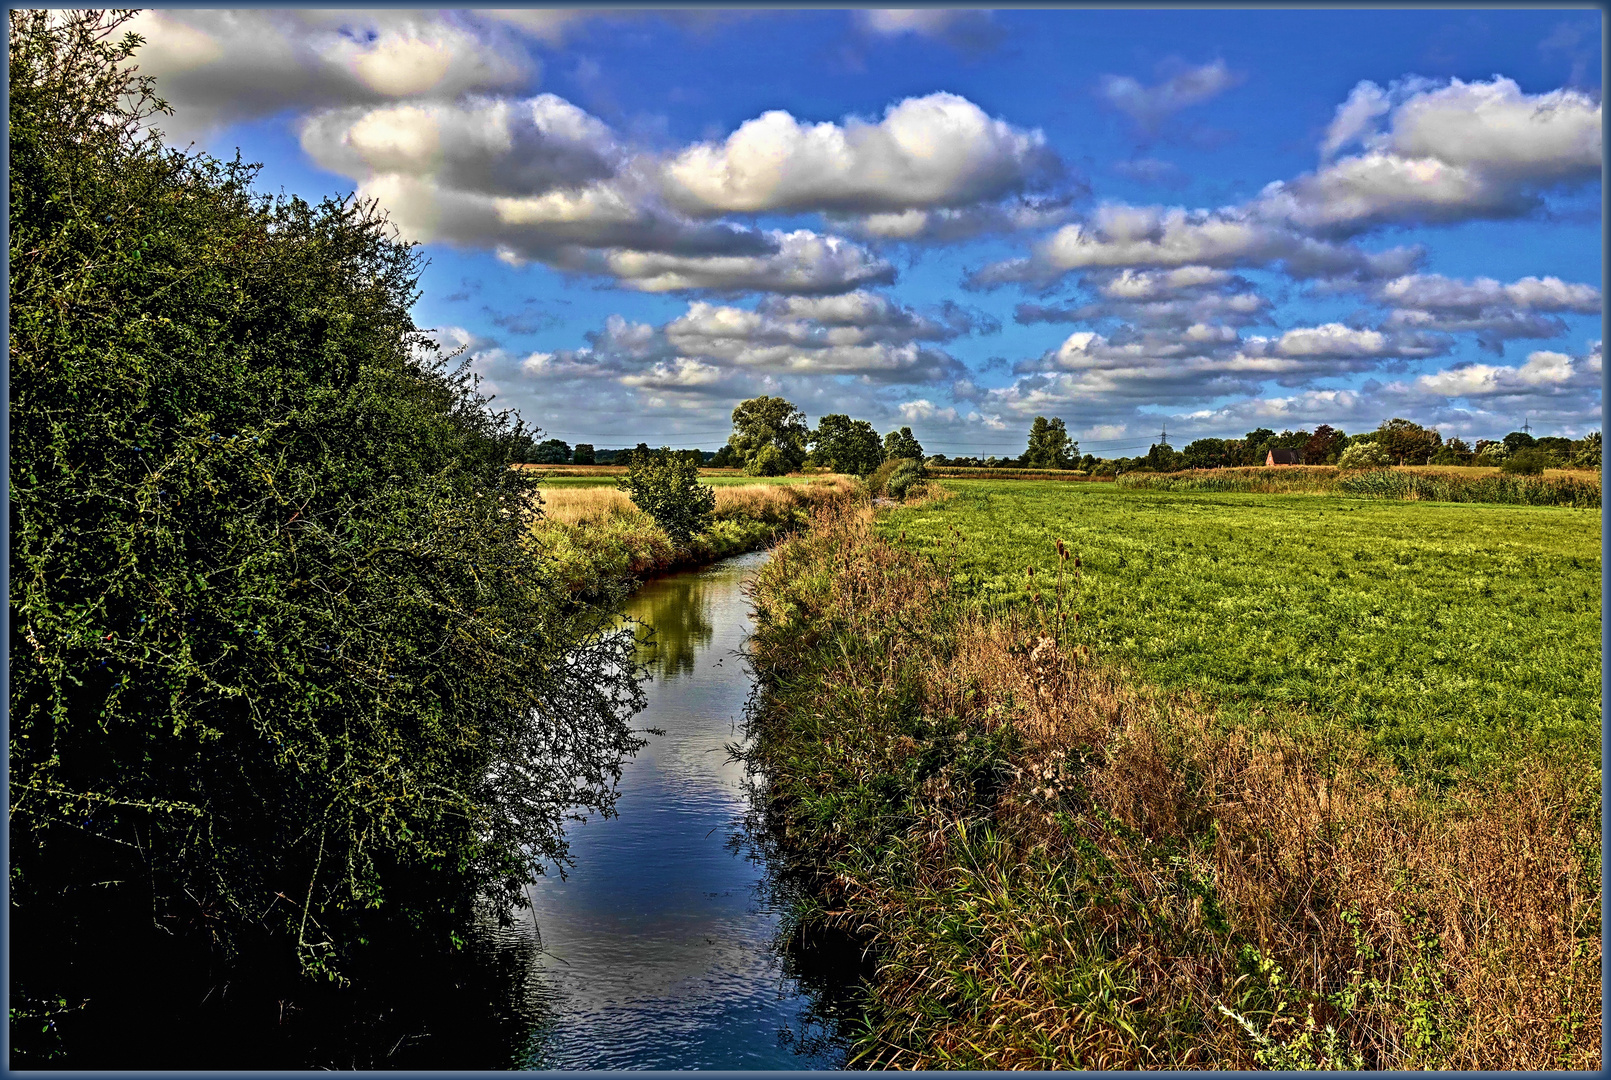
551 452
1528 461
281 650
763 422
1378 615
1518 440
846 445
767 461
902 444
665 485
1049 445
1407 443
583 454
906 476
1364 455
1588 452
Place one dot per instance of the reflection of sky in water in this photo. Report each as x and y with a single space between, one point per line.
657 949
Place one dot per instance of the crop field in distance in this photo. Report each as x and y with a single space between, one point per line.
1459 637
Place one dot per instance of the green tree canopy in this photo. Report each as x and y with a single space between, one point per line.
665 485
769 421
282 649
1049 445
902 444
552 452
1406 442
846 445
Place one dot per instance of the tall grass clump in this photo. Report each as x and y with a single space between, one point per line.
1057 869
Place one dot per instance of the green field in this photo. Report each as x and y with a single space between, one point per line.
1459 637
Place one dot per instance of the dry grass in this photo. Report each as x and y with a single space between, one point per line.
1151 888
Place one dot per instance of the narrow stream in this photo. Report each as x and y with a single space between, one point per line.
664 948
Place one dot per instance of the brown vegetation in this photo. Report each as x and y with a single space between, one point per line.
1147 887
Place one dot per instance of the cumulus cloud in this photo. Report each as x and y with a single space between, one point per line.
537 179
1175 298
969 29
1335 341
1545 374
935 151
1432 153
220 66
1155 237
1494 311
1149 106
946 225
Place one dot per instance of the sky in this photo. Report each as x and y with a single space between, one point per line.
1138 220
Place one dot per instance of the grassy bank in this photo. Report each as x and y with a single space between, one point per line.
1452 636
963 472
1057 867
596 536
1556 488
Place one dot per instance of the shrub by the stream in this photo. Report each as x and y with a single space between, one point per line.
908 475
282 650
666 487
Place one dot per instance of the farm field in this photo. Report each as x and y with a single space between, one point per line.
1460 637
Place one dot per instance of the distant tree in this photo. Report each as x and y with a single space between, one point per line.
665 485
724 458
1558 450
1490 454
1049 445
1406 442
1323 446
846 445
552 452
583 454
1164 458
1587 454
1527 461
902 444
1453 452
1205 454
769 421
1518 440
1364 455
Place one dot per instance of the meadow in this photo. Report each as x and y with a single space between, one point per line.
1455 635
1310 783
1413 483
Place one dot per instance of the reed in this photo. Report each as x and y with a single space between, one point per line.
1561 488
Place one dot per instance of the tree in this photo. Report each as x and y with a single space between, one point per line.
1323 446
1364 455
1164 458
1453 452
1588 451
902 444
1407 443
1528 461
724 458
552 452
1205 454
284 658
846 445
583 454
1518 440
1490 454
665 485
767 461
769 421
1049 445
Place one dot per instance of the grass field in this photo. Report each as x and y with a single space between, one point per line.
1458 636
716 480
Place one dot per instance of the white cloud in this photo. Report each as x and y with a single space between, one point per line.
1155 237
1545 373
1149 106
1453 152
219 66
1495 311
935 151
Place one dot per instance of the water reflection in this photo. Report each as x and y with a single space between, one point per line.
674 617
661 948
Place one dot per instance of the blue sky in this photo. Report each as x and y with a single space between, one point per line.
957 219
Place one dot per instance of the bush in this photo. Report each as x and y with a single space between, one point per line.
879 480
907 475
1364 455
666 486
767 461
1527 461
283 653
